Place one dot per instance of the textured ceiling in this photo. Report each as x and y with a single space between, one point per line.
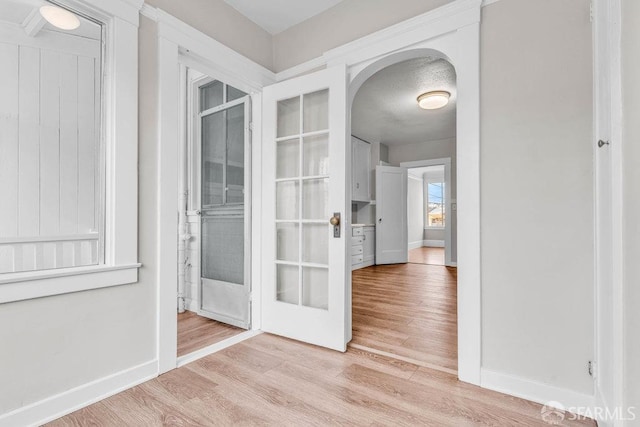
276 16
385 108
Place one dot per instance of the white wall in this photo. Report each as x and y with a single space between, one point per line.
537 191
631 167
415 211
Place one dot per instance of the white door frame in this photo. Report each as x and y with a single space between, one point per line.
446 161
180 44
608 204
451 32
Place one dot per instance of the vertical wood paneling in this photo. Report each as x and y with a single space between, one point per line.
68 144
29 138
49 156
9 104
86 146
49 143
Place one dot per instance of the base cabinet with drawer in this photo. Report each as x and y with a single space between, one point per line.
363 246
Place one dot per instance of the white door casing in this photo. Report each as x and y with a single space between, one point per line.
391 215
304 265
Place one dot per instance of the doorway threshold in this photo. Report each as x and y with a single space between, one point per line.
404 359
214 348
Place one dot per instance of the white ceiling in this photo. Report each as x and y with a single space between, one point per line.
386 110
276 16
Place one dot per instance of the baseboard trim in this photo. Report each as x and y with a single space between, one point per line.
433 243
545 394
415 245
214 348
64 403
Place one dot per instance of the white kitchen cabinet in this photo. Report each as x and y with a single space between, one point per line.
360 170
363 246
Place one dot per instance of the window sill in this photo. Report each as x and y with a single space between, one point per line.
37 284
434 228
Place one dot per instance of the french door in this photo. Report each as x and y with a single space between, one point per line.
304 209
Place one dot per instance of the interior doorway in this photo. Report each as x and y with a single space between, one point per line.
404 299
214 220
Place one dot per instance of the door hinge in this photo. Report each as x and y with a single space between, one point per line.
591 368
591 11
251 126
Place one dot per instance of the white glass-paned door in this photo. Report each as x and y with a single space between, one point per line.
304 170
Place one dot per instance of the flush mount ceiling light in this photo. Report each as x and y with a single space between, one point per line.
59 17
434 100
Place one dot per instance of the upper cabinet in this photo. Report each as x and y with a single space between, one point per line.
360 170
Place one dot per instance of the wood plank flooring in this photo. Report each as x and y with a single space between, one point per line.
426 255
268 380
196 332
409 310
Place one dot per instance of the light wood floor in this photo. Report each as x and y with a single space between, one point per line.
409 310
269 380
426 255
196 332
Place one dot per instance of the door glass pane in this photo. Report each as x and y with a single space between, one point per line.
288 161
287 200
315 196
223 249
289 117
287 236
211 95
315 160
233 93
316 111
315 287
235 154
287 283
213 151
315 243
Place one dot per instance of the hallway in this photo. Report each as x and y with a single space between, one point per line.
408 310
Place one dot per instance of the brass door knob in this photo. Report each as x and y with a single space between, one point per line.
334 220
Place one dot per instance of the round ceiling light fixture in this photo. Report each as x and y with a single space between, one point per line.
434 100
59 17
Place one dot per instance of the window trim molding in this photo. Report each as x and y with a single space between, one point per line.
120 141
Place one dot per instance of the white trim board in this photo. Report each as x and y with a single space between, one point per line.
64 403
433 243
582 404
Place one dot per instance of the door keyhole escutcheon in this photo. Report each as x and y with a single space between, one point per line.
335 221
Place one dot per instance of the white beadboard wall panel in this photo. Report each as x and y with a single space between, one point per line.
29 151
8 140
49 143
87 146
69 143
49 155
